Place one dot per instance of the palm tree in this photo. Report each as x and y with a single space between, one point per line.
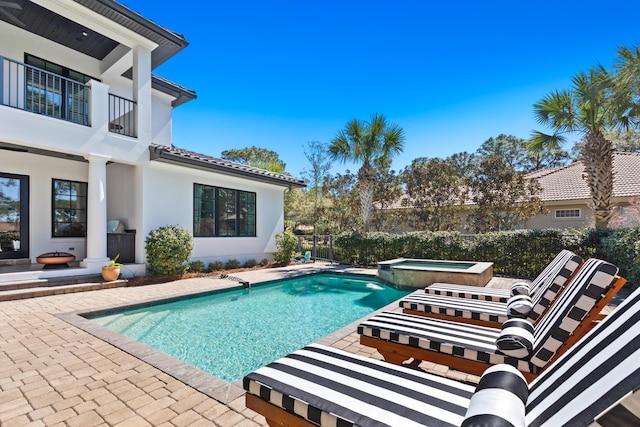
627 86
366 142
588 108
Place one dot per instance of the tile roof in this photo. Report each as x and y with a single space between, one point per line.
567 183
190 158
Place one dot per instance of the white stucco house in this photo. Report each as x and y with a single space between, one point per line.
87 165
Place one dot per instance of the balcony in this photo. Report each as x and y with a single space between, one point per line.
32 89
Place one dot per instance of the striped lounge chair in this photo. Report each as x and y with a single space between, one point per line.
596 382
442 300
503 295
471 348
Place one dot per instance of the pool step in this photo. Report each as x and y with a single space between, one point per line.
54 286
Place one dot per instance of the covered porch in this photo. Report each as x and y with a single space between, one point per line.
57 203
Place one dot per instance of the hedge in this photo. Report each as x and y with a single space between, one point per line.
520 253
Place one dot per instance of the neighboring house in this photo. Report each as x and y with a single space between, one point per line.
85 140
566 195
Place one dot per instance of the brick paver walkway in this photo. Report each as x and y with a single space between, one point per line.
54 374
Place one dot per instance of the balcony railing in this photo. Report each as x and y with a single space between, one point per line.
122 115
32 89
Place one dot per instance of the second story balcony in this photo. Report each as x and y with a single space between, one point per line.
30 88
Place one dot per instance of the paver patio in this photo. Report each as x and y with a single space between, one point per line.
55 374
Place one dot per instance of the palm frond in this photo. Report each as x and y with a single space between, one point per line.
540 141
556 110
339 148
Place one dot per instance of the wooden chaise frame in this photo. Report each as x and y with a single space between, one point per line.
397 353
488 323
272 413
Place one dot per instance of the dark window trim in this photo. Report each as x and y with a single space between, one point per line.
66 71
24 217
53 208
216 212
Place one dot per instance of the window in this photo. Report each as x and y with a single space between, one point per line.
57 91
221 212
69 208
567 213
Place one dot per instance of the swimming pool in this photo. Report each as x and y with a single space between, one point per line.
232 333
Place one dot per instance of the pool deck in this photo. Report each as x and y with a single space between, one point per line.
53 373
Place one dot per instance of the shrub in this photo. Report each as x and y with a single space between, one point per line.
622 248
264 262
250 263
168 250
216 265
286 243
523 253
231 264
196 266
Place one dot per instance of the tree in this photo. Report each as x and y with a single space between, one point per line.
256 157
342 203
365 142
386 190
516 153
503 197
317 154
435 193
463 164
588 109
621 140
297 208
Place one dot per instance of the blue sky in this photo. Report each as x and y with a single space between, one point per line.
277 74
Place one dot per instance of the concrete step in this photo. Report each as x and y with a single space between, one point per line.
54 286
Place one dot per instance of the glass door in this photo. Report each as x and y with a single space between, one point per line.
14 216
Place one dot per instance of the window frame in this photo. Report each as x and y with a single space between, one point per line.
55 224
63 101
556 211
224 211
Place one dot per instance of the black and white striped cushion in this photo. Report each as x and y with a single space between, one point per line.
585 384
563 265
441 299
330 387
566 262
519 306
499 399
488 311
520 288
574 303
516 338
454 338
468 292
546 292
479 343
625 412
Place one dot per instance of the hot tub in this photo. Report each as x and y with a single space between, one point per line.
420 273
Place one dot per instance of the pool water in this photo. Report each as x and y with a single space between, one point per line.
232 333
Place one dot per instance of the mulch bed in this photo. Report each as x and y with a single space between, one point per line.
152 280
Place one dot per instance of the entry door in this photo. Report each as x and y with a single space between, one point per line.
14 216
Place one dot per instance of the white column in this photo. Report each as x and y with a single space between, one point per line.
96 213
99 106
142 91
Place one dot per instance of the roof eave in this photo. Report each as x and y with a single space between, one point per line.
174 42
159 154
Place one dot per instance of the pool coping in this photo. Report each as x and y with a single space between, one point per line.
216 388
